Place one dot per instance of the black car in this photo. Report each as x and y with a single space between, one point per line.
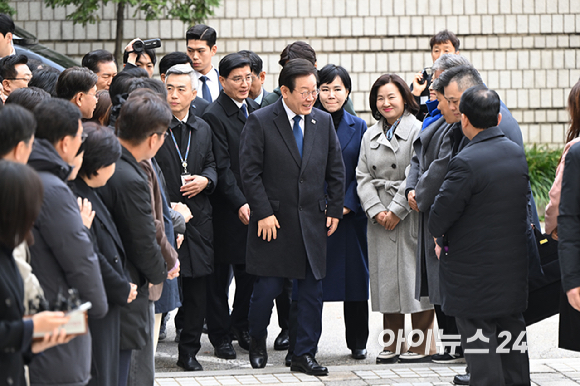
27 44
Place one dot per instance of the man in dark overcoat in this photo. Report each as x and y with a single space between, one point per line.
186 159
288 152
231 212
480 217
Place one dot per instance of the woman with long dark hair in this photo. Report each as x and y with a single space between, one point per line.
572 137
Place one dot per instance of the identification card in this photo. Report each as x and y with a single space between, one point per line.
183 178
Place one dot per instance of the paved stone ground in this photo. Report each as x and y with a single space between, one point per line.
545 372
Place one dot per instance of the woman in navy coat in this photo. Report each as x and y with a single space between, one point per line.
347 272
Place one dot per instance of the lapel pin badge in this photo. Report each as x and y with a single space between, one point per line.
313 121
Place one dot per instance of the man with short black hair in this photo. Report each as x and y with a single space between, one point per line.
444 42
481 219
102 63
7 29
14 73
187 161
141 127
62 253
145 60
199 104
28 97
293 178
201 48
16 133
257 92
79 86
231 212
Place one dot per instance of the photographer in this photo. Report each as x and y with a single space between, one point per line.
141 53
445 42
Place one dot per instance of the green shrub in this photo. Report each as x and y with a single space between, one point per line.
542 164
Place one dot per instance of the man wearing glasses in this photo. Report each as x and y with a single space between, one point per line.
14 73
231 212
79 85
293 177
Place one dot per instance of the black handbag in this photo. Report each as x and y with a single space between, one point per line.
545 290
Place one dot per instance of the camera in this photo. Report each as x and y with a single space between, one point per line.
140 45
427 73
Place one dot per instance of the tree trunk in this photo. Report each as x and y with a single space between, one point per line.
119 36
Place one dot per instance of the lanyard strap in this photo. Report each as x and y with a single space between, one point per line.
183 161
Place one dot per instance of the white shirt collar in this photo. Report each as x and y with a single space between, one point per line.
259 98
239 104
184 120
291 114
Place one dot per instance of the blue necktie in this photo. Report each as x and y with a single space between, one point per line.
244 110
297 133
205 89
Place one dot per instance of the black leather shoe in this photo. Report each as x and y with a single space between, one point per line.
258 353
177 334
243 338
308 365
359 353
189 363
282 341
225 350
462 379
288 359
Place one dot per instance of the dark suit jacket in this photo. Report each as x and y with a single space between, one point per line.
199 105
277 181
196 252
227 121
15 337
482 211
128 199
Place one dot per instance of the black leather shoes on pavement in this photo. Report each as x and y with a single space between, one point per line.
225 350
282 341
359 353
189 363
462 379
258 353
177 334
308 365
243 338
288 359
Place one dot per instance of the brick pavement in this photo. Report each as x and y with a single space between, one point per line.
545 372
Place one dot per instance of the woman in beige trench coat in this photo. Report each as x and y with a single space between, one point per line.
386 151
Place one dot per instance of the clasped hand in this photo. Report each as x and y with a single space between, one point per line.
194 185
387 219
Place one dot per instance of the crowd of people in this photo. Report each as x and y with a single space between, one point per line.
143 196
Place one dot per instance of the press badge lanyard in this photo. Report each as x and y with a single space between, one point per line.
183 161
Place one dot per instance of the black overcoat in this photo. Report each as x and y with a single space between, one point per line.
481 209
128 199
277 181
230 234
106 331
196 252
